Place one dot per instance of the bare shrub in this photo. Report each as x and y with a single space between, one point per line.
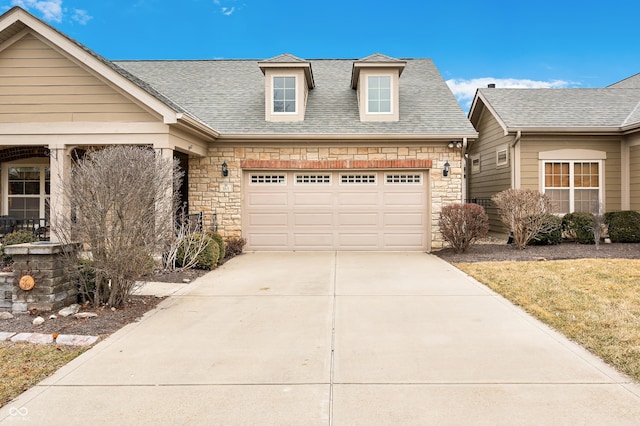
234 246
462 225
122 200
184 248
524 213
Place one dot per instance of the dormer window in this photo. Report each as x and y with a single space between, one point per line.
288 81
284 94
378 94
376 80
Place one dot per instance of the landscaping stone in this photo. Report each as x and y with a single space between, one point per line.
4 335
5 315
85 315
69 310
38 321
32 338
75 340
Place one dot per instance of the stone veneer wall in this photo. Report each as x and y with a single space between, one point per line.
44 262
210 192
6 291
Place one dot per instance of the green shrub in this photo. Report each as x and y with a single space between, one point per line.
207 258
234 247
16 237
578 226
87 280
551 235
218 239
624 226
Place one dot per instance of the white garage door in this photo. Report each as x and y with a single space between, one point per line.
364 210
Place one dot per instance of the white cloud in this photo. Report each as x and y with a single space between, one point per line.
465 90
81 16
51 9
227 11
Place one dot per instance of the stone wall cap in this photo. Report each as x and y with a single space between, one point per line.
40 247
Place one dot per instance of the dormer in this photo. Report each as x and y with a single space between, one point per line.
375 78
288 80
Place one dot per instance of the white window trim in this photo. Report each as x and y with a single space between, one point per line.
43 196
478 168
391 95
505 149
571 188
273 88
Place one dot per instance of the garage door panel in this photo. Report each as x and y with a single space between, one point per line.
314 240
358 199
268 219
403 199
359 240
268 240
403 219
313 219
407 241
357 219
267 199
366 210
313 199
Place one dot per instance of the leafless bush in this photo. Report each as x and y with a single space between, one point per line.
524 212
598 226
183 244
120 203
462 225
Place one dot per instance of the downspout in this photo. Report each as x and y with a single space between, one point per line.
463 163
515 161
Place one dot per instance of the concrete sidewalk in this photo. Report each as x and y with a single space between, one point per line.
323 338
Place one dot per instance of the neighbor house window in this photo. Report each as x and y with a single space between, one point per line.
502 157
379 94
284 94
29 191
574 186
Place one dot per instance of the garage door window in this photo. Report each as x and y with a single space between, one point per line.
357 178
268 179
404 178
317 179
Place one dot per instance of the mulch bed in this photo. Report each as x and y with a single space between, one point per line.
565 250
108 320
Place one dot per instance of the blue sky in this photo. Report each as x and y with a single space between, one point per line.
513 44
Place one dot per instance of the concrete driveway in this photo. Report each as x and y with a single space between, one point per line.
324 338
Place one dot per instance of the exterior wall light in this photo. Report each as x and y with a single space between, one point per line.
445 170
451 144
225 169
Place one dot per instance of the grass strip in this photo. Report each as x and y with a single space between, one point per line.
22 365
594 302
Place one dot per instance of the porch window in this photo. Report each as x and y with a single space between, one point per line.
574 186
29 190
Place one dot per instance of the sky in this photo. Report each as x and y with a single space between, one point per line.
556 44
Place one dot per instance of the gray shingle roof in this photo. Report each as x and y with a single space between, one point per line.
632 82
554 108
228 95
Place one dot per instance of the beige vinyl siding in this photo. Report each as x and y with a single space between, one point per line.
530 164
491 179
38 84
634 160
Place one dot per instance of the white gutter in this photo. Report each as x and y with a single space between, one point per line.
515 160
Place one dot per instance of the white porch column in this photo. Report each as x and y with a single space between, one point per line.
165 205
59 208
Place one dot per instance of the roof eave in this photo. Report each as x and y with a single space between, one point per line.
345 136
577 130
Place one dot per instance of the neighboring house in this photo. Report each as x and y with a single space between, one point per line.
287 153
579 146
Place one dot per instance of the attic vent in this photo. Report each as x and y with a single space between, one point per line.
491 85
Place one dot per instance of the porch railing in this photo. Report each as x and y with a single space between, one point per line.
39 226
